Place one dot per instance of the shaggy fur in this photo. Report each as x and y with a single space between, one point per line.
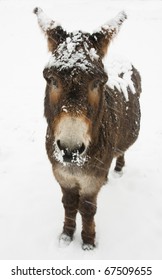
79 90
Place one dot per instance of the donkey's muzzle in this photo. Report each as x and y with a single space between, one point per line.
70 154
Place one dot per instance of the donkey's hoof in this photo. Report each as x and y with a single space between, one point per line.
117 174
64 240
88 247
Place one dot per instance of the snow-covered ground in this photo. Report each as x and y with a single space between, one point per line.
129 217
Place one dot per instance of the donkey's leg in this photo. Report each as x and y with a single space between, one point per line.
87 209
70 202
120 162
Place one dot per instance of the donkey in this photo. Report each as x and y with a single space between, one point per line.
90 119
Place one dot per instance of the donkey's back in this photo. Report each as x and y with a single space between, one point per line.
122 95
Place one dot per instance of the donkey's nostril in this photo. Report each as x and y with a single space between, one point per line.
81 149
70 153
67 148
59 145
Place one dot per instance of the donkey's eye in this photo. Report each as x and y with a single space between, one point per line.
95 84
54 83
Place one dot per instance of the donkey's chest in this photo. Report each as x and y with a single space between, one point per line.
86 184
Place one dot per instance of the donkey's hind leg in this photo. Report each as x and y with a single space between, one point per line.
120 162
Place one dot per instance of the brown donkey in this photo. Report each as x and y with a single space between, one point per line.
92 117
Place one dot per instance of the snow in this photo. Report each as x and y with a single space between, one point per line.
116 67
64 240
129 215
76 157
64 109
67 57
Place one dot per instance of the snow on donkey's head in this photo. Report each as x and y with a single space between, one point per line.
91 119
75 78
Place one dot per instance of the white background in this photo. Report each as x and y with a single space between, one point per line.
129 217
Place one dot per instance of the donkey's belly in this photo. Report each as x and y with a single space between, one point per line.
87 184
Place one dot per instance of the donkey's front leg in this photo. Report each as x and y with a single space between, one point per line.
87 209
70 202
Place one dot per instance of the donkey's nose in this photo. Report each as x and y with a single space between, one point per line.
70 154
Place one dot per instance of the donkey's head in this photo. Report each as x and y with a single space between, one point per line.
76 79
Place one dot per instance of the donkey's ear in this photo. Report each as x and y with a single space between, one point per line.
53 30
102 37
